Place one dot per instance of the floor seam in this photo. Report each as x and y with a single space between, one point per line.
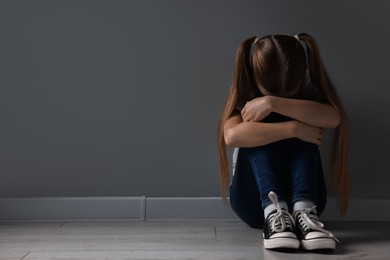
25 255
63 223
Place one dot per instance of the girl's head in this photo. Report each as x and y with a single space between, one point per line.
277 64
282 65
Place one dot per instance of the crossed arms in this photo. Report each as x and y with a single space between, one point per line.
309 118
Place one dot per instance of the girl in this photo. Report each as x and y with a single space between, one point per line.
280 99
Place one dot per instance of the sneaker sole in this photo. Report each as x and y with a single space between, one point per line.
276 243
318 244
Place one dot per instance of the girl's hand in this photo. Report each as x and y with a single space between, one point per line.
308 133
256 109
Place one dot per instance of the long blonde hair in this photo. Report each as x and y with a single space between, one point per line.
278 63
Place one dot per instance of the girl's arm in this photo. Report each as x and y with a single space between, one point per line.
251 134
308 112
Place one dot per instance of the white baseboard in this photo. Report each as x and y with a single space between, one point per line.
64 208
188 208
145 208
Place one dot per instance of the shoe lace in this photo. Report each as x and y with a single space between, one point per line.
281 219
309 220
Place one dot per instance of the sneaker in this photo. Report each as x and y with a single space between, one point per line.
311 232
278 231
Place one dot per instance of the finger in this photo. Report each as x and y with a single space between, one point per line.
243 110
244 113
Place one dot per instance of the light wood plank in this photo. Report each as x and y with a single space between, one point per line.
140 254
84 240
12 255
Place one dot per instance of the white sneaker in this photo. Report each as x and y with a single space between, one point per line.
278 231
311 232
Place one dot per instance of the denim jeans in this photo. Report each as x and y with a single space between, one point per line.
291 168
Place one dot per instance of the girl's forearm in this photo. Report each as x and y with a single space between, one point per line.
308 112
253 134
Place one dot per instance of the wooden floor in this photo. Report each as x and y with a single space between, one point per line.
182 239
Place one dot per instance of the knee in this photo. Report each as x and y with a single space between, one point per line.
296 143
268 149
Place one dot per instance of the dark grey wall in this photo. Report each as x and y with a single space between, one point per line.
121 98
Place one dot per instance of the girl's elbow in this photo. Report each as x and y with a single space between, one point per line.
335 121
230 137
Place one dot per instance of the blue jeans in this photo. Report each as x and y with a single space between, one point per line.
291 168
